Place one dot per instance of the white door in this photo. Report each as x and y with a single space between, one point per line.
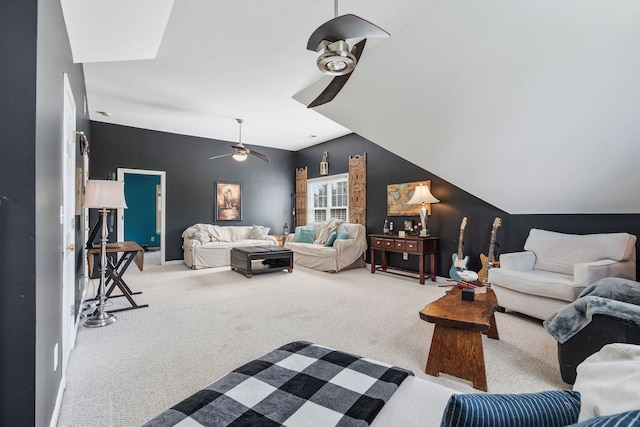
68 211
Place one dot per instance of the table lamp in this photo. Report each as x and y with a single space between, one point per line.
103 195
422 195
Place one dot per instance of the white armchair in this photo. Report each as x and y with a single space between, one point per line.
556 267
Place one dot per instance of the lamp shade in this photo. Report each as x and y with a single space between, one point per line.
422 195
104 194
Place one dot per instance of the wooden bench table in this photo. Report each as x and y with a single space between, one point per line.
456 346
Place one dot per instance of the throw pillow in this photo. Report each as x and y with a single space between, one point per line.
332 238
305 234
547 408
258 232
342 233
630 418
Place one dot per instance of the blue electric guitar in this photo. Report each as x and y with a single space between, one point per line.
459 263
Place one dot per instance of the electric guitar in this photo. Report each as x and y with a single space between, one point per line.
459 263
489 261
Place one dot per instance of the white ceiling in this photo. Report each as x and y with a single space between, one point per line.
532 106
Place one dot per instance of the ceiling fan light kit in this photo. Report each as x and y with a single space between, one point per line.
240 157
336 59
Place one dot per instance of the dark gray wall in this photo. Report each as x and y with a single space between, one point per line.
266 187
18 25
383 168
35 51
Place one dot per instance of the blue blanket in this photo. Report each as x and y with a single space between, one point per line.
299 384
612 296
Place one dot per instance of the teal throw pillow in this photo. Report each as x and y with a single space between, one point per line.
332 238
627 419
342 233
555 408
305 234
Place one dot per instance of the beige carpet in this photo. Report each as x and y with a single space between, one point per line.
201 324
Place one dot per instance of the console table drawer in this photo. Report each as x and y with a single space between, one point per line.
411 246
382 243
400 245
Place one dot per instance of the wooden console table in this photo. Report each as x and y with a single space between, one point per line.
412 245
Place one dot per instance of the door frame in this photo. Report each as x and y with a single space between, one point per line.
68 218
163 205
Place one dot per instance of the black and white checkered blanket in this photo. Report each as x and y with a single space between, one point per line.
299 384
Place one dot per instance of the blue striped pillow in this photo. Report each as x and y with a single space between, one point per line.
626 419
543 409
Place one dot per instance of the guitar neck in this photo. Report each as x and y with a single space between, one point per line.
460 243
491 246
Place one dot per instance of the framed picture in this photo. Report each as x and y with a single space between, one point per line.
228 201
399 194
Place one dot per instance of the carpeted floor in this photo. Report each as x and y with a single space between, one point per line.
201 324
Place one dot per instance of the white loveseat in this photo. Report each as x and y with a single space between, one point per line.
208 245
343 254
556 267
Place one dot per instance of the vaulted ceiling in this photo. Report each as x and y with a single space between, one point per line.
532 106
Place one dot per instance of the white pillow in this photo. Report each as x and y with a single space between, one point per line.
609 381
258 232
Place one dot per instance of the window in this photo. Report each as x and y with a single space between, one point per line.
328 197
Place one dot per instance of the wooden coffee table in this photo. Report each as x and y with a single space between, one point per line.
250 260
456 346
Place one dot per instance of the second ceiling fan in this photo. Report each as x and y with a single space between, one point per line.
240 151
336 59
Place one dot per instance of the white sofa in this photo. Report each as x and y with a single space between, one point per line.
208 245
556 267
344 254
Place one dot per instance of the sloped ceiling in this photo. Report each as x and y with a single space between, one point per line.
533 107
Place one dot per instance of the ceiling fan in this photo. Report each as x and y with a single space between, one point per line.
240 151
336 59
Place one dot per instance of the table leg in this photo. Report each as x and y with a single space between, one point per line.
373 260
434 263
422 257
492 332
457 352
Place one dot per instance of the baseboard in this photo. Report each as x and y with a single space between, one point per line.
56 409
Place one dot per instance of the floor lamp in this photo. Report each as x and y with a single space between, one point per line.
103 195
422 195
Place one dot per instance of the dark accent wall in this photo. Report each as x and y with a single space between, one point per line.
36 52
266 187
384 167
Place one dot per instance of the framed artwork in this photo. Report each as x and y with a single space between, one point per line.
228 201
399 194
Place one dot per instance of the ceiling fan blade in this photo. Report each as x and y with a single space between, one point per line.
258 155
338 82
222 155
342 28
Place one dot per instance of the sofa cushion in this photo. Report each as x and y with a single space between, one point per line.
538 282
547 408
305 234
627 419
239 232
259 232
558 252
201 236
606 376
332 238
343 234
